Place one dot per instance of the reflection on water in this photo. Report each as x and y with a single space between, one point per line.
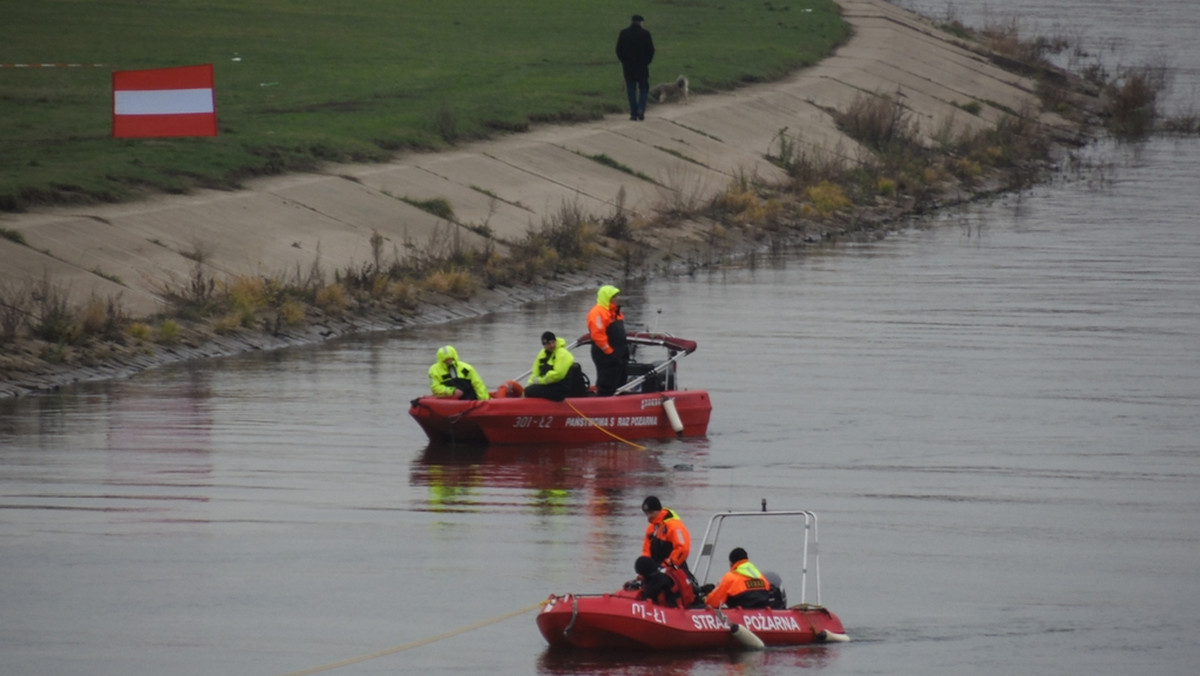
639 663
596 478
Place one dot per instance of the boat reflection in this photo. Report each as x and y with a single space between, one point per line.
641 663
549 479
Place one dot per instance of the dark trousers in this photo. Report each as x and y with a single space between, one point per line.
467 387
611 371
554 391
638 91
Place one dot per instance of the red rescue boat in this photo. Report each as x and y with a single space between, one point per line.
649 406
619 621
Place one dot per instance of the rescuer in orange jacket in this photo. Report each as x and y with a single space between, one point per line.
742 587
659 587
610 353
667 539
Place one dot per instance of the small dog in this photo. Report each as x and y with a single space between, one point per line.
670 90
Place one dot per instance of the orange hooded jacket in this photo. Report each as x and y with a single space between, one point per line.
601 315
667 526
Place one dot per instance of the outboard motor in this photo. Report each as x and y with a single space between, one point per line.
777 597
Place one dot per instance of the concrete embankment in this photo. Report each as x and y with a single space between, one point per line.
507 184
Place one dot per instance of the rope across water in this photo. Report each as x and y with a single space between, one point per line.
415 644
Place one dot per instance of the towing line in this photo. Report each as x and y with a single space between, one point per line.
415 644
603 429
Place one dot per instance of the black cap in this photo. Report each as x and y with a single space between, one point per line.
637 18
737 554
644 565
548 336
651 504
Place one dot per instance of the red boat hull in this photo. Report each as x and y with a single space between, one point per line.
575 420
621 621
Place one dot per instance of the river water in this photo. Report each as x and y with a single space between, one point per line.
993 414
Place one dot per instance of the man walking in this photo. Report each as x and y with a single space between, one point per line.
635 49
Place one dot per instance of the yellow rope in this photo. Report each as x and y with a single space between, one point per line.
400 648
599 427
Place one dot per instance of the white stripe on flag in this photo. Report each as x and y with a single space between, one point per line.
162 101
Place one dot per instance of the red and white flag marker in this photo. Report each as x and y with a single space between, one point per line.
164 102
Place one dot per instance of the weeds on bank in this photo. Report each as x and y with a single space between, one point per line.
393 282
1129 97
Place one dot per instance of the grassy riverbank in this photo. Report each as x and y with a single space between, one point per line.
301 83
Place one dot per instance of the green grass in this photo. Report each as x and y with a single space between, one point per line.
354 81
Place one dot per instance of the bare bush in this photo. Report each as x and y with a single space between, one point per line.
16 302
53 316
1130 103
878 121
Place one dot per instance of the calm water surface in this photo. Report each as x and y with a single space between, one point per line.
994 417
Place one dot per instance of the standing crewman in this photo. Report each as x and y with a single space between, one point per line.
742 587
610 352
667 539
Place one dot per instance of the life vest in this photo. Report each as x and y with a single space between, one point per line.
687 595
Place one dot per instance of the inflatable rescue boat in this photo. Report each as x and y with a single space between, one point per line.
650 405
618 620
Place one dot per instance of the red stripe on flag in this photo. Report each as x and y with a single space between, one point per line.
151 126
170 124
184 77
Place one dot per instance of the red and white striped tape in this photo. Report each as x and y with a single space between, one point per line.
51 65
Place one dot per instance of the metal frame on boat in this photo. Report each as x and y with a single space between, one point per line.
648 406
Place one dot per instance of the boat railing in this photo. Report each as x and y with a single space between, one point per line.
704 559
658 367
674 353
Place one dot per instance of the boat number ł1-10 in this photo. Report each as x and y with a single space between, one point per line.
648 612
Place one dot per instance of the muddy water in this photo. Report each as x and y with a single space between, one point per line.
994 417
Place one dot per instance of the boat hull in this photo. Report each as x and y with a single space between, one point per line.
575 420
620 621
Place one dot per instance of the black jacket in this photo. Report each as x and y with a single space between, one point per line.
635 49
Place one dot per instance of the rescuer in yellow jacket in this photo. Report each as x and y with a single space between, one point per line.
451 378
742 587
547 379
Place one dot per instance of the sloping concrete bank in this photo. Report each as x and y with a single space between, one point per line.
506 184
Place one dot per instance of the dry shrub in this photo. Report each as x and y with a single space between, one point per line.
824 199
228 323
332 298
401 293
168 332
966 169
53 316
1130 104
16 302
454 283
139 331
878 122
292 311
682 191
